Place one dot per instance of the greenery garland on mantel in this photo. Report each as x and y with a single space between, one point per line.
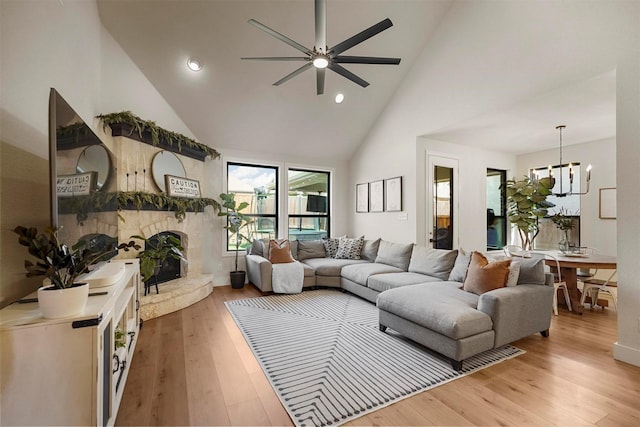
129 200
158 134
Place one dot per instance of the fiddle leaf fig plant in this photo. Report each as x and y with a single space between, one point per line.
236 220
526 204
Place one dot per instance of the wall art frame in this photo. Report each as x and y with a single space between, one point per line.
393 194
362 197
607 203
376 196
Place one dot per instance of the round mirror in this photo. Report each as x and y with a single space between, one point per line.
166 163
95 158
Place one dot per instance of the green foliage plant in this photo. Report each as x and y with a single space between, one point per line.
56 261
563 220
156 251
157 133
526 204
236 220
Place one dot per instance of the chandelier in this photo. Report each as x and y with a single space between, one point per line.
562 193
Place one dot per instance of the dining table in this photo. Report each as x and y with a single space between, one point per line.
569 265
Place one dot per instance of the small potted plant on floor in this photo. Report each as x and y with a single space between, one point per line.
236 222
155 252
62 296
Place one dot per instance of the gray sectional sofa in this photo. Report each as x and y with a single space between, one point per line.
418 292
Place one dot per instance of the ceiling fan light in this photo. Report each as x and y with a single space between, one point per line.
339 98
194 64
320 61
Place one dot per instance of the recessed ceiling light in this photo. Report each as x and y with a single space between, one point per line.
194 64
339 98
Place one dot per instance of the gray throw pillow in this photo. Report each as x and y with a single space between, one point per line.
310 249
349 248
432 262
531 271
394 254
294 249
257 247
370 250
459 270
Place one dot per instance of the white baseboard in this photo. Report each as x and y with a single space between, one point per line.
626 354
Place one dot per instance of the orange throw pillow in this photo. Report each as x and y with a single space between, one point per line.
280 251
484 276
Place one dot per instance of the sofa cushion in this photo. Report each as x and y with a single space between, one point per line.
349 248
394 254
370 250
484 276
383 282
280 252
310 249
359 273
531 271
440 306
257 247
329 266
331 246
308 270
432 262
459 270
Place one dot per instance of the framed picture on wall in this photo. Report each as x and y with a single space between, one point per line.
362 197
393 194
607 203
376 196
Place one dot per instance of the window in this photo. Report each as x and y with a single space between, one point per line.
258 186
308 204
496 209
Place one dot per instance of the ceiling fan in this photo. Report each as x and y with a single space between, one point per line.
322 57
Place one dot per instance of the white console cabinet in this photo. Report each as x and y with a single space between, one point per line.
68 371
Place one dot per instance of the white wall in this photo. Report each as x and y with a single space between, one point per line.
594 232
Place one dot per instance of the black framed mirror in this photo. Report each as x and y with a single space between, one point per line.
166 163
95 158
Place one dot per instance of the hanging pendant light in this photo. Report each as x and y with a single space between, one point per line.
562 193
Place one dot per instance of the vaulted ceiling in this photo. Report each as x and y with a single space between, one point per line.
232 103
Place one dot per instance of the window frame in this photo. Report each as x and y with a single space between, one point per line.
327 216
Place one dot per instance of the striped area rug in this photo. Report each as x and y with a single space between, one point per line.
328 362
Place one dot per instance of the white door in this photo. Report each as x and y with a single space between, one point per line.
442 201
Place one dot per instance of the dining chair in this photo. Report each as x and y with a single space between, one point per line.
558 283
592 288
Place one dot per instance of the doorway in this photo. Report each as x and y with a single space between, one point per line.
442 189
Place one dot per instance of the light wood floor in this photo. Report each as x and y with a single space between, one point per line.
194 367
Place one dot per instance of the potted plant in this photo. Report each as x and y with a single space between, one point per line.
155 252
61 265
236 222
564 222
526 204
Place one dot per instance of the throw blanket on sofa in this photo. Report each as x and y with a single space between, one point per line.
287 278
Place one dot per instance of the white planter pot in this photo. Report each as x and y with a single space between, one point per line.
56 303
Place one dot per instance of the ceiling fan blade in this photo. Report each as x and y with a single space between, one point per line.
361 36
278 58
321 25
289 76
279 36
365 60
320 80
347 74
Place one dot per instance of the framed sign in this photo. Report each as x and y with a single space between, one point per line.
80 184
362 197
393 194
607 203
376 196
181 187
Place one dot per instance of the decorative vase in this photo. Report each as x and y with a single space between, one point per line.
56 303
237 279
564 245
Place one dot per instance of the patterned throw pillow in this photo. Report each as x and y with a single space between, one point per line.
331 246
279 252
349 248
